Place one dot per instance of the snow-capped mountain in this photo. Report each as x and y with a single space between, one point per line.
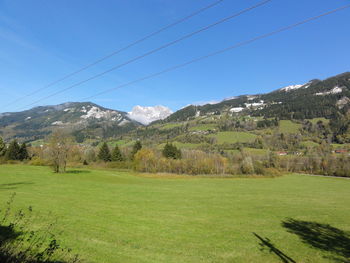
146 115
79 117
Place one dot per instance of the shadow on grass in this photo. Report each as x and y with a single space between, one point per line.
78 171
8 239
266 244
7 234
321 236
13 185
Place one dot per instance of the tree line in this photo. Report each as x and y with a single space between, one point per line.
14 151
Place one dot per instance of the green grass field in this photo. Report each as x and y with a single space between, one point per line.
171 126
289 126
234 137
113 216
203 127
252 151
181 145
309 144
315 120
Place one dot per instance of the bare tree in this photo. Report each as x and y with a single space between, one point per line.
59 145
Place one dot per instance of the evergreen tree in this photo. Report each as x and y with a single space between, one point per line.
23 152
2 147
170 151
12 153
104 153
137 146
117 155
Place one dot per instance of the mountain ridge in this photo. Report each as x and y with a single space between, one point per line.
316 98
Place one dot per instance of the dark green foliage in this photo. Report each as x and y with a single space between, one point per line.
170 151
12 152
2 147
265 123
117 155
137 146
23 152
340 126
79 136
104 153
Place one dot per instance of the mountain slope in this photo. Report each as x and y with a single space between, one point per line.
328 98
314 99
84 119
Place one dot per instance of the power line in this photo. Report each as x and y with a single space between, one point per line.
243 43
120 50
154 50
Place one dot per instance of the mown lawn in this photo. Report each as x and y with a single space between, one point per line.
113 216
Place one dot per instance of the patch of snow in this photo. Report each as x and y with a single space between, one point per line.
251 97
198 113
230 98
69 110
202 103
255 104
123 122
236 109
97 113
291 87
342 102
57 123
83 109
146 115
335 90
28 118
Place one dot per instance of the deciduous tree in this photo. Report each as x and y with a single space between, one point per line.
59 144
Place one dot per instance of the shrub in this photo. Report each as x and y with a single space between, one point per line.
145 161
37 161
247 166
170 151
272 172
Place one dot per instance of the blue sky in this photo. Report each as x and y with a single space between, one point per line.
41 41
